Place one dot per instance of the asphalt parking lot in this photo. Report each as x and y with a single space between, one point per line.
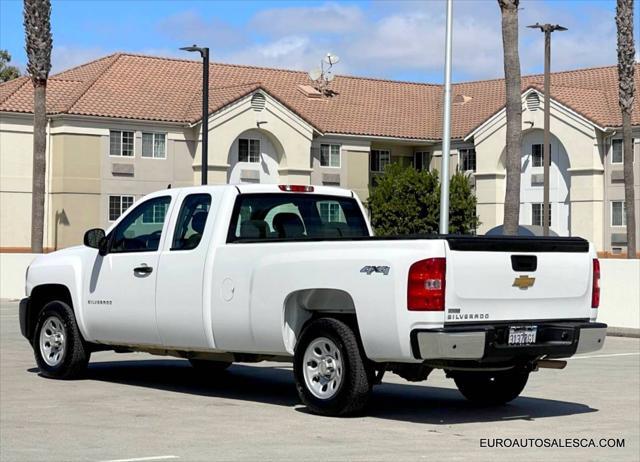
137 407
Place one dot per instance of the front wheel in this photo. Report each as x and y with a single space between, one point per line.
329 368
58 346
491 388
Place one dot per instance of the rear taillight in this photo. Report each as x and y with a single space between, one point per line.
595 287
426 285
295 188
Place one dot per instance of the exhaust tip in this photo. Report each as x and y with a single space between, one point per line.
551 364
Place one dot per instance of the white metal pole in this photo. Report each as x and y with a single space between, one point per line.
446 129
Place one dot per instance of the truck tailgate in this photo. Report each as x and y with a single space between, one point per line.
510 279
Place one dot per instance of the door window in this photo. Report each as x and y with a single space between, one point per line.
191 222
136 232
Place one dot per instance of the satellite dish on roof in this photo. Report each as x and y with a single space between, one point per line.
315 74
331 59
323 76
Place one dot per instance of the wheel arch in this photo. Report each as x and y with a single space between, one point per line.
302 306
40 296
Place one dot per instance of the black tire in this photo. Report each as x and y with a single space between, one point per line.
205 366
75 356
354 390
491 388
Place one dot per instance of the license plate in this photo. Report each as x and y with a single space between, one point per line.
522 335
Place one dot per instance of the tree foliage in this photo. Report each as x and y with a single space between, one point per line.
38 39
406 201
7 72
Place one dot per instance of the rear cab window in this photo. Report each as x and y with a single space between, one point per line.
295 217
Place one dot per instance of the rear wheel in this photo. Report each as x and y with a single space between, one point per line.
58 346
329 368
211 367
491 388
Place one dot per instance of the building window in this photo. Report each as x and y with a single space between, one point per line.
120 143
421 160
537 155
467 160
248 150
618 217
331 212
536 215
155 214
118 205
617 151
330 155
154 145
380 158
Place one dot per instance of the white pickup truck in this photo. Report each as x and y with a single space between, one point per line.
217 274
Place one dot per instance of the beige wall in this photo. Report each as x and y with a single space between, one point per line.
353 172
16 155
454 158
80 175
292 135
614 191
579 138
16 148
74 190
357 172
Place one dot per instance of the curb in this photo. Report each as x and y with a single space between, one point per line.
623 332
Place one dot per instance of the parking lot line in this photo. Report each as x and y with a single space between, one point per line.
605 356
142 459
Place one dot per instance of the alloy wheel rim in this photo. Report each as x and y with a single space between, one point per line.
323 368
53 340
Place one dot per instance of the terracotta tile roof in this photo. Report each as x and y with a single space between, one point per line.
162 89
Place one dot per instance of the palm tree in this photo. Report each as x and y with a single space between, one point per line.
37 27
509 10
626 91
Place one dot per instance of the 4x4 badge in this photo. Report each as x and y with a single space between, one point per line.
375 269
523 282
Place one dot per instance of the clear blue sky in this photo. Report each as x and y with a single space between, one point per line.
399 40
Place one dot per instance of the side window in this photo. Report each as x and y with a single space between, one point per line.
191 222
137 234
295 217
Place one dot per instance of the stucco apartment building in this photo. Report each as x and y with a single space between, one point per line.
125 125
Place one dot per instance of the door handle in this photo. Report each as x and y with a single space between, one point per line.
142 269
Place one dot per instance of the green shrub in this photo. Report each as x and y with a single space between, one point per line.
406 201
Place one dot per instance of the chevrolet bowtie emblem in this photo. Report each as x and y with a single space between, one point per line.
523 282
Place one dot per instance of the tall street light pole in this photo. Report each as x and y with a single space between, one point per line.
446 128
546 150
204 53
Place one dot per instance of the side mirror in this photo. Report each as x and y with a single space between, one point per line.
95 238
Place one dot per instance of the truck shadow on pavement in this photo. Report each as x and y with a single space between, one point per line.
275 385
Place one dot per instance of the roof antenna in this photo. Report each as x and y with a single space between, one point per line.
322 77
169 186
